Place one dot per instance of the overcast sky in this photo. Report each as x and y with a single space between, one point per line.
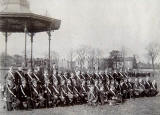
104 24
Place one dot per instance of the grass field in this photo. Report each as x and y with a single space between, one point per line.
139 106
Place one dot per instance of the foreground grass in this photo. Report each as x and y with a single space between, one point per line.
140 106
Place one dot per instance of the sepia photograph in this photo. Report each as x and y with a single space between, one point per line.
79 57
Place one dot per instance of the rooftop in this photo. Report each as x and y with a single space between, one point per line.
16 14
16 6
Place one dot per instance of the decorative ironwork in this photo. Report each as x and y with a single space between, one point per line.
22 20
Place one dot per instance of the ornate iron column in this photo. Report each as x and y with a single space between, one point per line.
49 51
6 41
25 52
32 34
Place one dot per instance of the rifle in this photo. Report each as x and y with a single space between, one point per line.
62 95
19 74
14 96
11 92
153 86
65 77
36 77
39 95
23 91
78 77
92 94
56 90
89 76
113 92
84 89
142 86
107 76
30 76
54 96
64 92
71 93
77 91
97 88
69 89
83 76
12 75
49 90
55 78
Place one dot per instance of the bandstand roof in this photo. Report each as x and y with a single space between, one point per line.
16 14
15 22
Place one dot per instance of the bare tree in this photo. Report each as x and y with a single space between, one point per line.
6 61
93 58
71 56
124 54
54 57
115 57
153 50
81 54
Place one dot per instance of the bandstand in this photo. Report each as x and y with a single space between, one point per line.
16 17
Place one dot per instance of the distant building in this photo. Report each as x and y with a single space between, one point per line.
120 64
129 63
142 65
